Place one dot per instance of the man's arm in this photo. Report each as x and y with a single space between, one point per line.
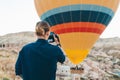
61 56
18 65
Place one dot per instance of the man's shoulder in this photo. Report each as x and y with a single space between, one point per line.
29 45
53 46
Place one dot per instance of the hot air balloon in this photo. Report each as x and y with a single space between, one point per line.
79 23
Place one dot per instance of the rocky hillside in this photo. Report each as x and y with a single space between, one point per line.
21 37
106 42
102 62
25 37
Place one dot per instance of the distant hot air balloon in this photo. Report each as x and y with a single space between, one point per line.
79 23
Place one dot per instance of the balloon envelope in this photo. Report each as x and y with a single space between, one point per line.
79 23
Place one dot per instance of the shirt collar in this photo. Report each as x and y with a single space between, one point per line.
42 40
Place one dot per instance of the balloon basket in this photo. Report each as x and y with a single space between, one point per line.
76 70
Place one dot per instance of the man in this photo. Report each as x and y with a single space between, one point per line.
38 60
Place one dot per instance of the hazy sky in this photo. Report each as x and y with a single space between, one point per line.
20 15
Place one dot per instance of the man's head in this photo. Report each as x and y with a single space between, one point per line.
42 29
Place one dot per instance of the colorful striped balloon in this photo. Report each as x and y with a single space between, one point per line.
79 23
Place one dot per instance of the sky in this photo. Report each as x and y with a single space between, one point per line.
21 15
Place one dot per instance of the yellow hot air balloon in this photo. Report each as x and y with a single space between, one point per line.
79 23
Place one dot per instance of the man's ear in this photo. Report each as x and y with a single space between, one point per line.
47 33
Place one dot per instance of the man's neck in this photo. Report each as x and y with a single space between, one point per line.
41 37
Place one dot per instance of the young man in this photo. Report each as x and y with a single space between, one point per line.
38 60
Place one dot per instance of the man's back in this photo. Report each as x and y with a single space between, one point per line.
39 60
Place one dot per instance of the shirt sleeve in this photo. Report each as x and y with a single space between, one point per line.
18 65
61 56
